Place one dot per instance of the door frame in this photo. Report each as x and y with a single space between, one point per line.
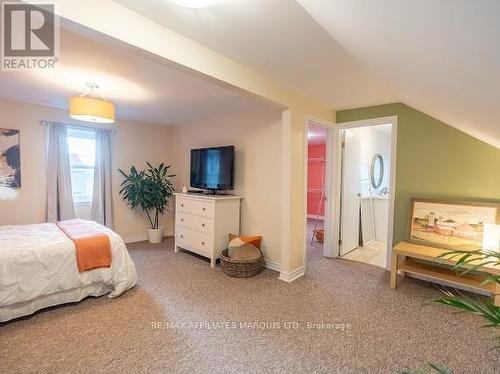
327 245
335 203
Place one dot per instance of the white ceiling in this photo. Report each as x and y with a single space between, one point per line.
142 90
278 39
438 56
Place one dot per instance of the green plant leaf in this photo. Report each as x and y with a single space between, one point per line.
481 306
150 189
467 262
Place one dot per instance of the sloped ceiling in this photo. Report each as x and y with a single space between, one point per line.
441 57
142 90
276 38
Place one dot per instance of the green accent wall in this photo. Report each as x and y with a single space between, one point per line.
434 160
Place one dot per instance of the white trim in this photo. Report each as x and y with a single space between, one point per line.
337 180
142 237
392 189
318 121
327 247
329 238
333 206
290 277
135 239
286 167
367 122
272 265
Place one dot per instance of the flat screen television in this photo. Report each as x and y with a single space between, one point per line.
212 168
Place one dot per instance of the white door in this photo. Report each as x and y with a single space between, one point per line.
351 191
329 177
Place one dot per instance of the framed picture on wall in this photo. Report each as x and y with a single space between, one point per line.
10 164
451 224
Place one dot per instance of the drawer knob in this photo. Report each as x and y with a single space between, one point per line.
202 225
202 243
182 236
182 219
182 205
203 209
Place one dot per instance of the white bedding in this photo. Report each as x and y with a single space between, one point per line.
38 269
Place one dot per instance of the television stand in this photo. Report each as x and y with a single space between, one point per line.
202 223
406 258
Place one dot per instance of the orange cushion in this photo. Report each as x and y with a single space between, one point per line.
236 241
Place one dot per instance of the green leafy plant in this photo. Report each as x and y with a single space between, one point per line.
149 189
466 262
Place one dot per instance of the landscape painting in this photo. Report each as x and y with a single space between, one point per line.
10 164
451 225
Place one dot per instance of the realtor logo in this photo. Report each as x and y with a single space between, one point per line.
30 36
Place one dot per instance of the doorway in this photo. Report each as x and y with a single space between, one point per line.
357 193
318 160
365 197
316 180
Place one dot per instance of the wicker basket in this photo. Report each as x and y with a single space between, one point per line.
319 235
240 269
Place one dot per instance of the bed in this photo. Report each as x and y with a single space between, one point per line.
38 269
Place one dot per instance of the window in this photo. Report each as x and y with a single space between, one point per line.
81 147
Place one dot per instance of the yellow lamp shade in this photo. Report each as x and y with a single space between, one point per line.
91 110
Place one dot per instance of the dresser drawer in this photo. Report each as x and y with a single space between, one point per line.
194 241
202 223
194 222
203 244
182 238
193 206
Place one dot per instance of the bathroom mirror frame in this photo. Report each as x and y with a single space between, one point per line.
377 183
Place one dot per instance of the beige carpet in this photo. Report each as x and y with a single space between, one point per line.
389 330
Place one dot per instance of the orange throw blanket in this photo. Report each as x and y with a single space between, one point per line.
93 248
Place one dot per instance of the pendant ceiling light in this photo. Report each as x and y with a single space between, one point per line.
90 109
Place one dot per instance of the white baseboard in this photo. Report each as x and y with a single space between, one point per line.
141 237
290 277
314 216
272 265
135 238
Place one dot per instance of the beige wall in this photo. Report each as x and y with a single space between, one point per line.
256 135
133 144
194 57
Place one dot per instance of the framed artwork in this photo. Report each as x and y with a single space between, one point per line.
10 164
451 224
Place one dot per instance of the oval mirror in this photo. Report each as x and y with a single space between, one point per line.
377 170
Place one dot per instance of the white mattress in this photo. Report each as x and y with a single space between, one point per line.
38 269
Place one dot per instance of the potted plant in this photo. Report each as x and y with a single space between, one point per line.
149 189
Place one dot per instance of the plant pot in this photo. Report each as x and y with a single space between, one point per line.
155 235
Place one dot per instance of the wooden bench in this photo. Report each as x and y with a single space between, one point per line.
403 260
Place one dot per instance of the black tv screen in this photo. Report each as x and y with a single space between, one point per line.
212 168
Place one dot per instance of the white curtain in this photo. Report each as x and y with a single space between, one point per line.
59 193
101 198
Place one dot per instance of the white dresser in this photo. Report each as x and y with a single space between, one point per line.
203 223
